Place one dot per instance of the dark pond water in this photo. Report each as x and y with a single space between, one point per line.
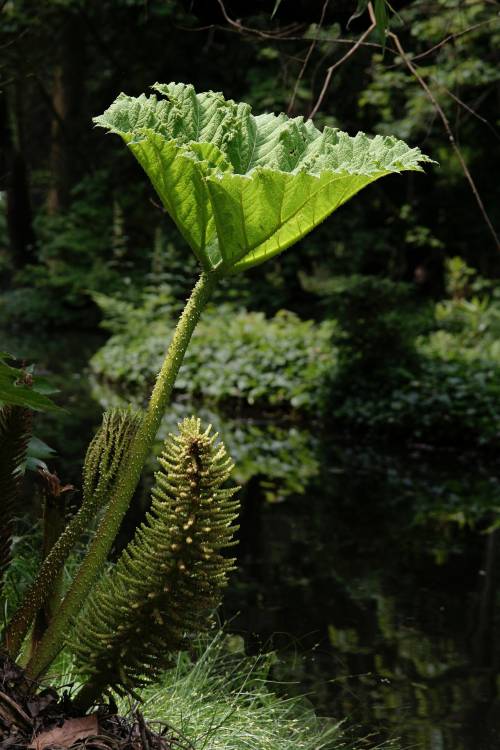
373 573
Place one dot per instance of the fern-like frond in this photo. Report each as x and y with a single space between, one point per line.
105 453
169 578
102 464
15 433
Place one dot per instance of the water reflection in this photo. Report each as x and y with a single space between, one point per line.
388 611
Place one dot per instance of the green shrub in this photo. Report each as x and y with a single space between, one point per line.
448 403
82 249
468 323
453 393
235 354
378 321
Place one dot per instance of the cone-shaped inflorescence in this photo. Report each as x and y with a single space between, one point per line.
102 463
15 432
169 579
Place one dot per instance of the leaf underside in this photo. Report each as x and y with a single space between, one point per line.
242 188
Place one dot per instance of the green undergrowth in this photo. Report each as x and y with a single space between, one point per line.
451 403
408 369
234 354
25 562
223 701
82 248
383 362
25 559
219 698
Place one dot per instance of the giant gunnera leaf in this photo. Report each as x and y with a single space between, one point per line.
242 188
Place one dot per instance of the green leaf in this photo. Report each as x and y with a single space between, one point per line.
14 391
382 19
381 11
242 188
37 451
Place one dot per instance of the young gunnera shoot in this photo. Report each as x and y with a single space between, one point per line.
101 467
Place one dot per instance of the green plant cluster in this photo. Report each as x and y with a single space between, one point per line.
84 248
378 320
133 623
451 392
448 404
384 359
235 355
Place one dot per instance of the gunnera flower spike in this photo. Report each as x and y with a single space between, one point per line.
168 580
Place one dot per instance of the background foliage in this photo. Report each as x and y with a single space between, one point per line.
399 343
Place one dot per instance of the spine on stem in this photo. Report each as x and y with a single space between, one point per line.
127 480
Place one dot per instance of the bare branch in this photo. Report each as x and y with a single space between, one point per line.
452 37
306 59
337 64
283 32
469 109
413 70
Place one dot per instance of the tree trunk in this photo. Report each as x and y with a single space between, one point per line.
65 99
18 202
